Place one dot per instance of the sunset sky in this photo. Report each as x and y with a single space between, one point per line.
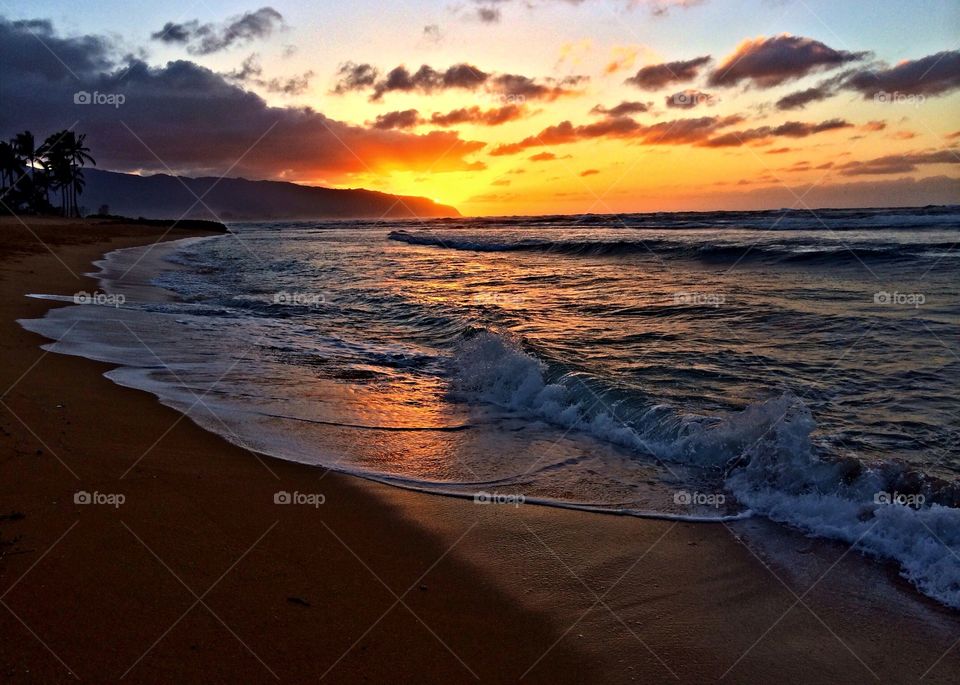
509 106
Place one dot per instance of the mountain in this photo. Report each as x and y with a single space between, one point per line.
236 199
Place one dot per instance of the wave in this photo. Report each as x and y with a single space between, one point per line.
763 455
785 251
820 220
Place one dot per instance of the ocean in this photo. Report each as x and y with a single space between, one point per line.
794 365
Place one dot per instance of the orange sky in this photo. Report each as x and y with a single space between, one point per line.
511 107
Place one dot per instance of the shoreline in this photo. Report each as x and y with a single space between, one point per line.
653 598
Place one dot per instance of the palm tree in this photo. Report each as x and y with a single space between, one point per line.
10 168
26 149
56 165
78 154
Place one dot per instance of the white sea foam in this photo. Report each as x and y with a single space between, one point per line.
765 452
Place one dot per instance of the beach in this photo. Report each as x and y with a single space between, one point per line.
185 567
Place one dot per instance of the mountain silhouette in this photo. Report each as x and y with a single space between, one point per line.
162 196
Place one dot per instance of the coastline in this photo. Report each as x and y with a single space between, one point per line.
301 585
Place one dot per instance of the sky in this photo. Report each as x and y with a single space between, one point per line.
509 106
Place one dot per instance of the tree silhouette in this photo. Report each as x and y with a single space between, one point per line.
55 165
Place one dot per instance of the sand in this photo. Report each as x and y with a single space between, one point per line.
199 576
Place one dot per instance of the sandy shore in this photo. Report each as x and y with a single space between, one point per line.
198 576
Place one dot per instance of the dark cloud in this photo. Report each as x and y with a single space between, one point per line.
768 62
522 88
899 164
203 39
930 75
790 129
195 120
427 79
67 59
656 76
476 115
354 76
176 33
513 88
625 108
407 118
488 14
802 98
543 157
675 132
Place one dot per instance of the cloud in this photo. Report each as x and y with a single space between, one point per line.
463 76
625 108
176 33
525 88
899 164
931 75
482 117
251 72
590 172
661 8
802 98
768 62
489 11
203 39
488 14
873 126
928 76
195 120
675 132
543 157
407 118
432 34
427 79
762 134
354 76
656 76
